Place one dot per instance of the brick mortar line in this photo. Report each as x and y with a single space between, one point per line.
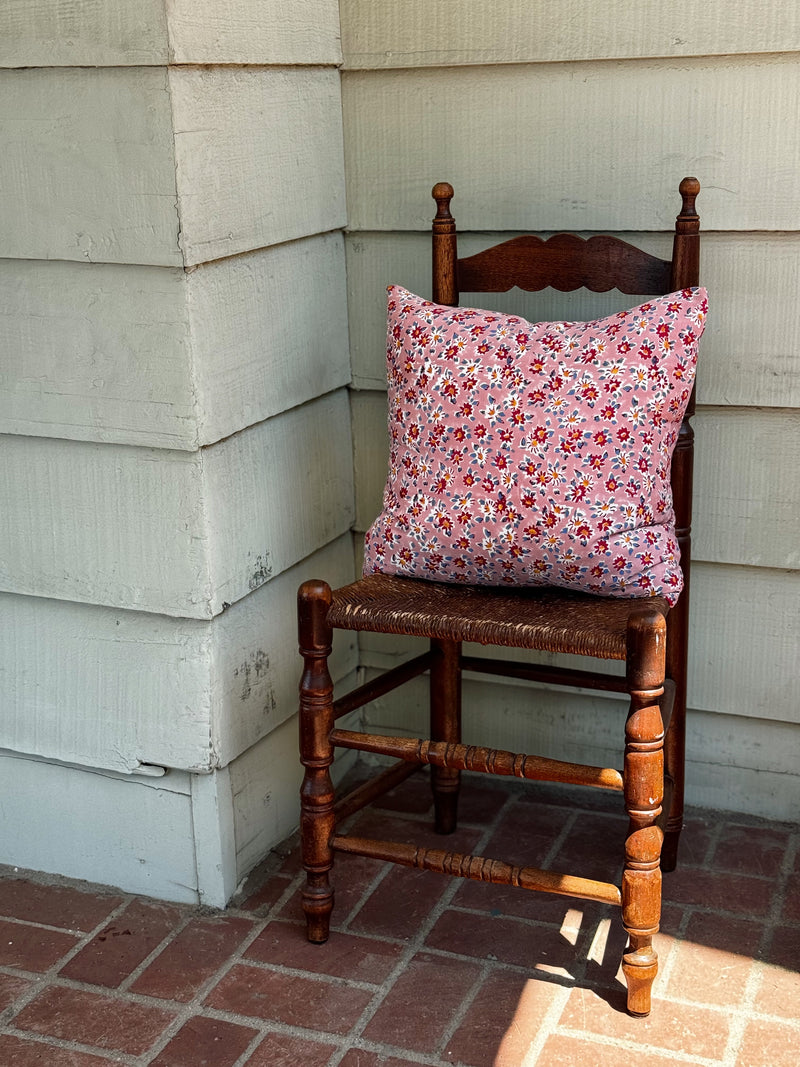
758 967
539 924
665 970
462 1012
48 1041
634 1046
164 943
344 926
416 943
546 1028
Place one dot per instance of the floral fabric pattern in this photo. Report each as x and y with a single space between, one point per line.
535 454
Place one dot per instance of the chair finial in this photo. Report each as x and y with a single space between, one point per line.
689 188
442 193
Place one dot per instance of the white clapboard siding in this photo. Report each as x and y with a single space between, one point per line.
276 493
748 355
265 782
746 483
254 31
594 144
132 833
422 33
95 686
87 168
96 352
747 487
256 667
744 637
156 356
259 156
268 332
180 533
733 763
82 33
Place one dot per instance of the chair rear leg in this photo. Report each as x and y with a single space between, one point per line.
675 741
644 793
445 697
317 819
675 750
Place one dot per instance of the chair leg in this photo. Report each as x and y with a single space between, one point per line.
445 697
316 754
675 741
675 751
644 792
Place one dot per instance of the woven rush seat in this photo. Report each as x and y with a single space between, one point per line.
547 619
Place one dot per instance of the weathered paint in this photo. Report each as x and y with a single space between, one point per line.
259 157
157 356
180 533
109 688
95 825
268 332
88 166
96 352
424 33
82 33
576 145
254 31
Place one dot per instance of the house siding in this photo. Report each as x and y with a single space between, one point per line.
176 429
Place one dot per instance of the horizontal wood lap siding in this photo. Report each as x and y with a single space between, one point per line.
48 33
105 687
575 135
254 31
96 352
174 532
148 356
259 157
424 33
276 493
66 33
113 830
268 332
87 167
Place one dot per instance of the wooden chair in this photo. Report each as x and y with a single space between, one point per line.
545 619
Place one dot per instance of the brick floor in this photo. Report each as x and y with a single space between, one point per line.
419 969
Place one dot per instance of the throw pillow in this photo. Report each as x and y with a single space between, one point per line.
535 454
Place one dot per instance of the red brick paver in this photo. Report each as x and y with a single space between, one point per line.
92 1019
21 1052
192 958
203 1042
297 1001
33 948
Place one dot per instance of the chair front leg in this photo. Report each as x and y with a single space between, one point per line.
445 698
317 818
644 793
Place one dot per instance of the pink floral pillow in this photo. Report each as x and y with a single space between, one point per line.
535 454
